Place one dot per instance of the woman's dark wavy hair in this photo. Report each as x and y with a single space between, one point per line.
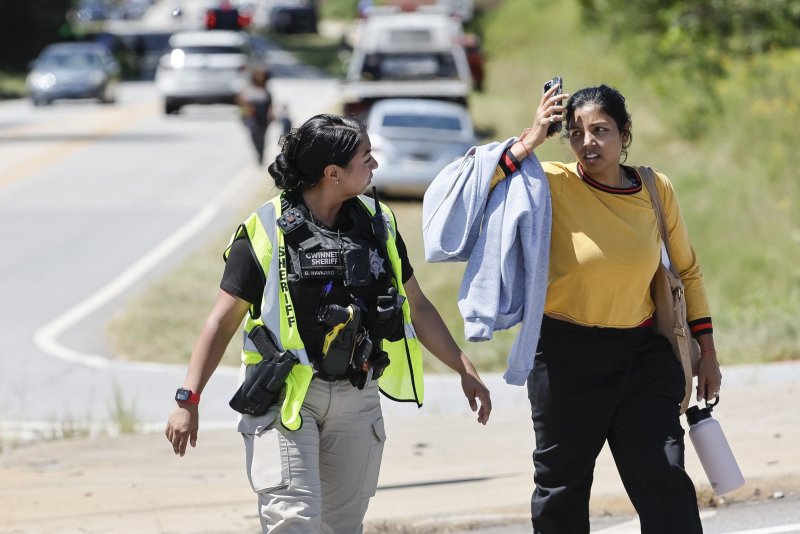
611 102
320 141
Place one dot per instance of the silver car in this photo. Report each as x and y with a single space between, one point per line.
73 70
204 67
413 139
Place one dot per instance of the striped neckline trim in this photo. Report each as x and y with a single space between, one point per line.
613 190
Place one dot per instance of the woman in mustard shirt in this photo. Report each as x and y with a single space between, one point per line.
601 372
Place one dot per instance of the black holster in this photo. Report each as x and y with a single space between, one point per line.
263 385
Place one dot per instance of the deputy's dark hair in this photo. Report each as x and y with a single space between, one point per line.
320 141
611 102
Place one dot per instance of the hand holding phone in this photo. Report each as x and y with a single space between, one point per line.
554 127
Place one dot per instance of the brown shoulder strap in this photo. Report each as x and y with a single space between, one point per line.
648 179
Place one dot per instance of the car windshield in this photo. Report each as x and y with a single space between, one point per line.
409 66
66 60
434 122
211 49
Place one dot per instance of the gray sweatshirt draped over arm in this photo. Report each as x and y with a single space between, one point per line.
504 235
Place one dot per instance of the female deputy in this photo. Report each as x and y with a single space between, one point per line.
324 269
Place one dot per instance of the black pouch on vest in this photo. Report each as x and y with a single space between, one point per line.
262 387
385 321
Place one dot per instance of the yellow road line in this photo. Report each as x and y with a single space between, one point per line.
120 120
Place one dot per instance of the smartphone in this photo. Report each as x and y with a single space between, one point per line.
554 127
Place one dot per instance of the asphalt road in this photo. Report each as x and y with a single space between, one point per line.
772 517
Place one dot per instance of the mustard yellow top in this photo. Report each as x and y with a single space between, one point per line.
605 248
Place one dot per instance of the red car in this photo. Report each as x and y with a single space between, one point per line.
227 17
475 58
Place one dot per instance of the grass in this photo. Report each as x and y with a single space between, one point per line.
338 9
736 183
68 427
12 84
316 50
123 414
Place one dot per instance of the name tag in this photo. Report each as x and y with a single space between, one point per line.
320 264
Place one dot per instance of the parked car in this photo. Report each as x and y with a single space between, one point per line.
413 139
204 67
73 70
89 11
293 16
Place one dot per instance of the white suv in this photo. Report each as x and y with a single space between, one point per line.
408 55
203 67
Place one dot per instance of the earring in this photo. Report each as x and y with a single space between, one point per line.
336 182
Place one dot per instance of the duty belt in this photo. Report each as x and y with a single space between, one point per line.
269 350
322 375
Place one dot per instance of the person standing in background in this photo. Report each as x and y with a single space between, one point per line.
256 105
285 120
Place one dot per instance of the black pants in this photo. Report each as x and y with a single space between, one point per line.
589 385
259 135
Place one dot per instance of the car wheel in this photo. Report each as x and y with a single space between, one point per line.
108 96
172 106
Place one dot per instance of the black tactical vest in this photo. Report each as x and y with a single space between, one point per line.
333 266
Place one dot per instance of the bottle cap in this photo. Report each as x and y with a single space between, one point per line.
695 414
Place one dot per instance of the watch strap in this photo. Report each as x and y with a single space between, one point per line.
193 398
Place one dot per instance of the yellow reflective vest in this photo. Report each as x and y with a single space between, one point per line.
401 381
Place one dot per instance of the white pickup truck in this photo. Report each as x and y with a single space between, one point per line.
406 55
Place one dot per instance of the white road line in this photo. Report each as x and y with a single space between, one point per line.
633 527
778 529
629 527
46 337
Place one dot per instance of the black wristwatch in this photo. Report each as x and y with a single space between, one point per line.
187 395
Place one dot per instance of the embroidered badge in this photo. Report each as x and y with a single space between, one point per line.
375 263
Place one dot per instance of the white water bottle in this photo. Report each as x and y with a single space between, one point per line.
713 450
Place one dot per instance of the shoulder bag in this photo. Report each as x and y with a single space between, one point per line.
669 297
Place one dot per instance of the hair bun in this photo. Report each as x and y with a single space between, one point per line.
286 175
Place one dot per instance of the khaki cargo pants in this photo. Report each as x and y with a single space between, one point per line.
317 479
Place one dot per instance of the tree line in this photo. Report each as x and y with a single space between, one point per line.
28 26
685 47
